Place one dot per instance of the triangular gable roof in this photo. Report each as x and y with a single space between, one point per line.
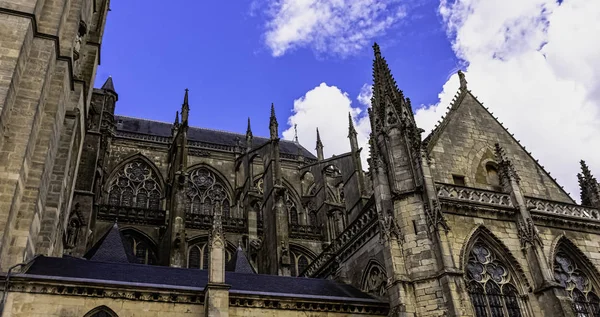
463 99
112 247
239 263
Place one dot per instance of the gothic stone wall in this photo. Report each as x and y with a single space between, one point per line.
39 305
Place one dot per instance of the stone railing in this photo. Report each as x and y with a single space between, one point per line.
473 195
562 209
305 232
133 215
202 221
344 244
144 137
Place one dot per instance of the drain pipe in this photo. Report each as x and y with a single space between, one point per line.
7 281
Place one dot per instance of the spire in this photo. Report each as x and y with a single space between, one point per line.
185 108
108 85
319 147
176 123
386 93
590 196
248 129
296 133
351 130
273 126
463 81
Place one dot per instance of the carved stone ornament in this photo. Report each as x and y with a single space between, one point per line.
435 217
285 254
389 228
527 232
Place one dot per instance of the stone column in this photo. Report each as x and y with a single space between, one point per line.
216 300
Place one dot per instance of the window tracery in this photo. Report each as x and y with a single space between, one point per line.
300 262
577 284
374 280
490 284
101 311
199 256
290 205
204 190
135 185
142 249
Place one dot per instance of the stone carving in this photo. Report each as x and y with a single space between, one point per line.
563 209
375 281
435 217
131 215
204 190
389 227
507 171
527 232
76 222
447 191
285 254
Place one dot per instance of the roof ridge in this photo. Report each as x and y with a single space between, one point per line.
138 118
456 102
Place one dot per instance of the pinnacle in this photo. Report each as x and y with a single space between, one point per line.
185 97
176 117
272 110
351 124
249 129
463 81
376 49
109 85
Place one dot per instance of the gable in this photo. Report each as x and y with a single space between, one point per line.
463 146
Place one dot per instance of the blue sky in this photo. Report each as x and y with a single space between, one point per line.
217 49
534 63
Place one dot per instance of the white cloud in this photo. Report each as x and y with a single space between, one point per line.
333 26
327 107
536 65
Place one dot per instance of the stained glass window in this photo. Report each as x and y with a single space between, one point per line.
205 189
490 286
135 185
142 249
577 284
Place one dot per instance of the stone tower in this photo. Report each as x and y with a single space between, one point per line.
50 54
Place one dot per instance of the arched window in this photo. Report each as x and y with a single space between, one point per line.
492 176
374 279
142 248
204 190
490 284
577 284
291 208
135 185
101 311
300 262
198 255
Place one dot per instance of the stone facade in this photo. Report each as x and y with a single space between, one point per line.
464 222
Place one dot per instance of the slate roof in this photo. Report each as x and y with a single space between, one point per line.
112 247
163 129
192 279
239 263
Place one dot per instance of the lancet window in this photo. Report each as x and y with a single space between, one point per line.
299 263
490 284
577 284
292 209
205 189
198 256
142 248
135 185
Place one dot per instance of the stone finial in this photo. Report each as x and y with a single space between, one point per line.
296 133
376 49
273 126
185 108
506 169
351 129
463 80
248 129
176 122
319 147
590 194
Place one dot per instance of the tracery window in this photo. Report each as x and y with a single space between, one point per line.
577 284
204 190
290 205
135 185
198 256
490 285
142 249
374 280
101 311
300 262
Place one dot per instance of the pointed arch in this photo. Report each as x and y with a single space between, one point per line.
493 277
143 246
374 278
101 311
576 273
135 182
301 257
206 187
198 252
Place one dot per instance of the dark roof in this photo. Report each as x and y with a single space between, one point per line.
168 277
239 263
163 129
108 85
112 247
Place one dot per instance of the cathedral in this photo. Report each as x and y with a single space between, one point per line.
105 215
